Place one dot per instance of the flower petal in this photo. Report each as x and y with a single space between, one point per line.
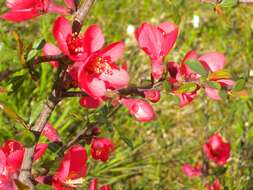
51 49
213 93
114 51
91 84
93 38
50 132
213 61
61 30
90 102
39 151
20 15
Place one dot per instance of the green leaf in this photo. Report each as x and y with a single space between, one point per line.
39 44
239 85
126 140
228 3
222 74
187 88
17 82
8 111
214 85
167 86
197 67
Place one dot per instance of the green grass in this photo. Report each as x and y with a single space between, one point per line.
159 147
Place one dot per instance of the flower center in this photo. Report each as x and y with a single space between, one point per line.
75 44
99 65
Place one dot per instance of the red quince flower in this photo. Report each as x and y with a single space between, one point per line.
72 169
101 148
214 62
217 150
94 183
11 157
179 75
21 10
192 171
139 108
152 95
50 132
76 47
94 69
214 186
157 41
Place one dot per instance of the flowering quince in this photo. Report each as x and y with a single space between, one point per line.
139 108
217 150
11 157
21 10
192 171
72 169
94 69
152 95
157 41
101 148
94 183
50 132
214 186
178 76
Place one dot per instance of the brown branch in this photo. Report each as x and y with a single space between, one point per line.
47 58
81 14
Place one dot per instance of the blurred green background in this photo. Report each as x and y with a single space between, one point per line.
148 156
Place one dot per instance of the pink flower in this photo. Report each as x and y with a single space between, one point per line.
152 95
94 69
11 157
178 75
157 41
76 47
139 108
192 171
21 10
214 186
51 49
99 73
94 183
101 148
215 62
217 150
50 132
72 168
90 102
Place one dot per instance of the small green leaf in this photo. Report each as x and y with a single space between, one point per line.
197 67
239 85
222 74
8 111
214 85
228 3
16 82
167 86
187 88
39 44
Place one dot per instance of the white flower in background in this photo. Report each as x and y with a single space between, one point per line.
130 29
195 21
250 73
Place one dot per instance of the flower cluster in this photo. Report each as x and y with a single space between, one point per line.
215 150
